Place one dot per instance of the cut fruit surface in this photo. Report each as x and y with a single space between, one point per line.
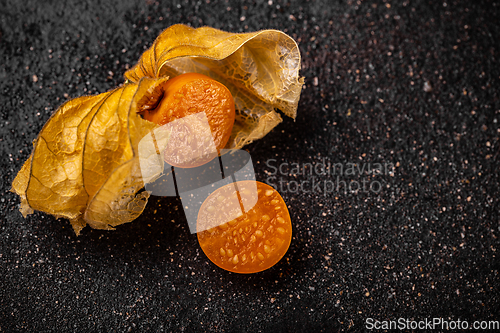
244 227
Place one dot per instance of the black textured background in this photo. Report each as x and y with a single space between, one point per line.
413 83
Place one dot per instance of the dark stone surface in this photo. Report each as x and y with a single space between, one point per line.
414 84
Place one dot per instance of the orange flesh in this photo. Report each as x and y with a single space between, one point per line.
190 94
251 242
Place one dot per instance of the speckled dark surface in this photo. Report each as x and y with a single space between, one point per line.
413 83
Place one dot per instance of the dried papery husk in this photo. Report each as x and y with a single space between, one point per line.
85 163
261 69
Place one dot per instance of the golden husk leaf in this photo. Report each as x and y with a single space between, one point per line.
85 164
261 69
